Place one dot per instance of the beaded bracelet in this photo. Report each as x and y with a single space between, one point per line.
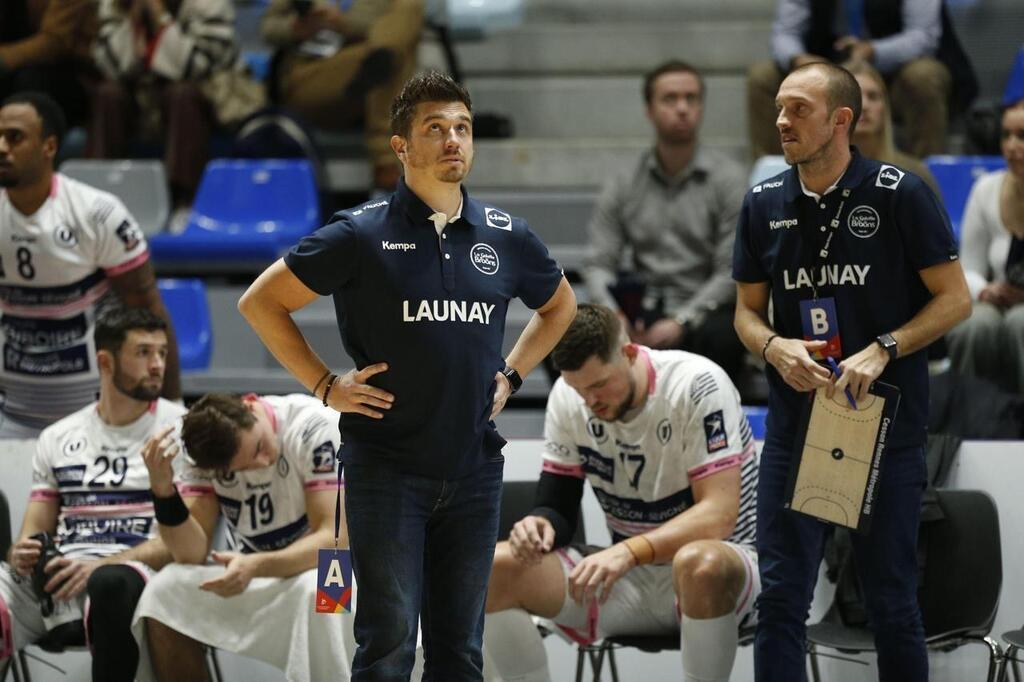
330 383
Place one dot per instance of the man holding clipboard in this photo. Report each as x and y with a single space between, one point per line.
860 265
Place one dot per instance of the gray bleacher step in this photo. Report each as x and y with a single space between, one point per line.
521 163
647 10
592 106
606 48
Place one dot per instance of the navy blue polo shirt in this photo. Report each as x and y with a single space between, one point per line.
433 308
889 227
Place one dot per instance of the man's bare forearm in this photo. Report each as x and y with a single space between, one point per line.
544 330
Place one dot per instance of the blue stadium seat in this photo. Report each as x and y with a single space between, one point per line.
756 415
185 300
246 214
956 176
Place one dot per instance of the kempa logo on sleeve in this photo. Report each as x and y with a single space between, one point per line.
397 246
367 207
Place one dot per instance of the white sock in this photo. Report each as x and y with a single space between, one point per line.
513 645
709 647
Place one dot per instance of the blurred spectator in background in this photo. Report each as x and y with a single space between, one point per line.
65 246
911 42
873 135
174 72
45 47
990 343
338 67
675 210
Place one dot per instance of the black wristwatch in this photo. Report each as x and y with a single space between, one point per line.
888 344
514 380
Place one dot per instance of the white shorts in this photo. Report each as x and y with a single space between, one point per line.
643 602
273 620
21 619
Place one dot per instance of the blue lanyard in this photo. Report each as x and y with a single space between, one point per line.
337 503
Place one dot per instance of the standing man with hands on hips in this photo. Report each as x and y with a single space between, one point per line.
421 281
868 246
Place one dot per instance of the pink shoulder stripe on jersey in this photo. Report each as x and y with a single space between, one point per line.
721 464
6 633
129 264
576 471
152 406
192 490
42 494
54 181
323 484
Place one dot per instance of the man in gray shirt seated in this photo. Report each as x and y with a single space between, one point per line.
675 212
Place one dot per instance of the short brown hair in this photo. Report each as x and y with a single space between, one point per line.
671 66
596 330
211 429
115 320
431 86
841 89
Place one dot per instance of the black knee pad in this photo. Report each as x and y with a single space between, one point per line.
114 589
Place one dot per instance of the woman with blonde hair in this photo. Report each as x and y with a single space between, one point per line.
990 343
873 135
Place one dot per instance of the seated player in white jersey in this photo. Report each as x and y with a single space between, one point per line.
91 497
668 452
267 464
64 248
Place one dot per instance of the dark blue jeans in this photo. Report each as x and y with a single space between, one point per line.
421 549
790 546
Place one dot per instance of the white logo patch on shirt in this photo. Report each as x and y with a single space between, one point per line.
889 177
484 258
498 219
863 222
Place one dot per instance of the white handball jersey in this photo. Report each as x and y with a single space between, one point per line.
266 508
54 267
96 473
691 427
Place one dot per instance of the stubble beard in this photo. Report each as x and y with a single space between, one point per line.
137 392
627 405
